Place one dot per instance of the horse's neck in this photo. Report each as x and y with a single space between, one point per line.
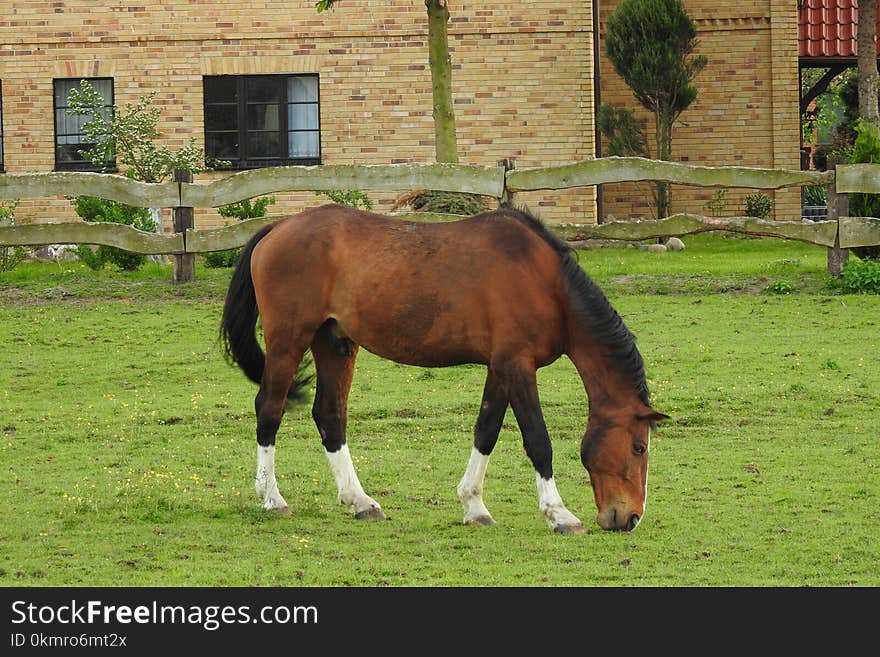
608 386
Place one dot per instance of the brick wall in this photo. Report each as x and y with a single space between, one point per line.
522 79
746 113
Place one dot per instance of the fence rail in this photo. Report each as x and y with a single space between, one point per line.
840 231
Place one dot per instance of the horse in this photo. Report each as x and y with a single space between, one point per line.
496 289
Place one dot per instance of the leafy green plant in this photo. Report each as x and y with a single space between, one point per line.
128 136
861 276
94 209
718 204
242 211
623 133
758 205
10 257
866 149
780 287
350 197
815 194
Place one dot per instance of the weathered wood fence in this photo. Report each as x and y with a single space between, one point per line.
838 233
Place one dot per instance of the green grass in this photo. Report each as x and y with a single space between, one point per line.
127 448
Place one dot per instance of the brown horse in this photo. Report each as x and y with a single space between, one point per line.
497 289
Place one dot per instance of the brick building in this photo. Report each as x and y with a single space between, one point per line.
265 82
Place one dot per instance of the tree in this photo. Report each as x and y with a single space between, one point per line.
128 137
650 43
868 76
440 63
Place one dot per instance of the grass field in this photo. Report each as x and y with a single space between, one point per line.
127 448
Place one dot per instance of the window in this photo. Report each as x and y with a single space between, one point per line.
262 120
69 137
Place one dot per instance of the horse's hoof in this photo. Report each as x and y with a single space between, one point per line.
570 529
480 521
282 511
373 513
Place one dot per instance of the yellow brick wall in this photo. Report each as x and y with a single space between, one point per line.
522 79
746 113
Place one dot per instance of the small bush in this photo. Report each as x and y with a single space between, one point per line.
861 276
242 211
780 287
758 205
350 197
94 209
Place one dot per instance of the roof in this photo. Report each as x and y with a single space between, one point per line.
828 29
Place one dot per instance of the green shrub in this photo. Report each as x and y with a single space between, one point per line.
861 276
350 197
758 205
240 210
94 209
865 150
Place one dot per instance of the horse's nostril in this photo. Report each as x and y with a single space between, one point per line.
633 521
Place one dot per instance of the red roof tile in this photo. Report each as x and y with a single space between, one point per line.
828 28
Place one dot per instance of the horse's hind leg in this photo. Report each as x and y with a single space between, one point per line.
334 364
488 426
280 369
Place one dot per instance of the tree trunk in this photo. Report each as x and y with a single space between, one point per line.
445 147
868 62
664 153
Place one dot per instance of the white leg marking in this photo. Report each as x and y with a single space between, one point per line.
265 483
470 490
551 505
351 494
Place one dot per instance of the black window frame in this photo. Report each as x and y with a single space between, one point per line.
79 164
244 159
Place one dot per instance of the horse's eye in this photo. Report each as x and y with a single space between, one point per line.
639 448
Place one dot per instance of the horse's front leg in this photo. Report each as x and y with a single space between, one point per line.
489 421
523 392
334 364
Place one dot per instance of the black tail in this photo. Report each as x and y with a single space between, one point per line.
238 328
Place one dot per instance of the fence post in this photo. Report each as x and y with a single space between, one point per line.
184 263
507 197
838 206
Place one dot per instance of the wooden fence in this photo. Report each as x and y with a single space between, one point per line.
838 233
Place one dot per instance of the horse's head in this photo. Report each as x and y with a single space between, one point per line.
615 453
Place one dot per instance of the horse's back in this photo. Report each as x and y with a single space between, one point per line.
419 293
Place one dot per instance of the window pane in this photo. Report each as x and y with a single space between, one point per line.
302 117
222 146
263 117
264 144
303 144
105 88
221 117
302 88
62 91
221 89
263 89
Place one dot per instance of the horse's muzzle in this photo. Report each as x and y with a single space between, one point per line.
613 520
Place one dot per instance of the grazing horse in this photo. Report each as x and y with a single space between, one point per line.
496 289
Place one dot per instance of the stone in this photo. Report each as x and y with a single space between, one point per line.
674 244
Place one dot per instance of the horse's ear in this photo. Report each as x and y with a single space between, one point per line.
653 416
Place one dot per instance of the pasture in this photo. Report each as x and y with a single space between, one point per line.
127 449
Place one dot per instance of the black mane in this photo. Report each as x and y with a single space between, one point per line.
592 306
